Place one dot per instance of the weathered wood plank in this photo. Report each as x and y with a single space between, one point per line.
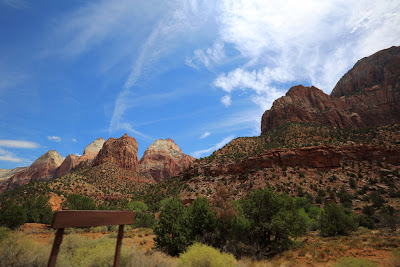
88 218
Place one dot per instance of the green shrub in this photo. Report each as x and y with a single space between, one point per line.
336 220
353 262
199 255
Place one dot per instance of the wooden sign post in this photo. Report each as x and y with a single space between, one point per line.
86 218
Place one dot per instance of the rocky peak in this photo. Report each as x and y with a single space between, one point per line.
164 159
68 165
92 149
367 96
43 168
121 151
51 159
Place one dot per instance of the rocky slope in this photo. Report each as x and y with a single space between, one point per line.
121 151
164 159
8 173
368 95
43 168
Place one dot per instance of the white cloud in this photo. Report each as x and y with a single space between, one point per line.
226 100
207 57
223 142
54 138
74 140
8 156
205 135
291 45
77 154
18 144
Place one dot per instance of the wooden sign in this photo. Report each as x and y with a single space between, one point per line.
86 218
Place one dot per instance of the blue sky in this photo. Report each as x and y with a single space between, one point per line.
199 72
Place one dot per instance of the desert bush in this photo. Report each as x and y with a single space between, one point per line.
200 255
336 220
17 250
140 258
77 250
353 262
394 260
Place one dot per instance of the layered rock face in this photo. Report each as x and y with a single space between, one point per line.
121 151
368 95
164 159
68 165
318 157
44 167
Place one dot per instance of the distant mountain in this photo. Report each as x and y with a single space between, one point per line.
366 96
164 159
43 168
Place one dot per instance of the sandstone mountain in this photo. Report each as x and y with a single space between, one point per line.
121 151
43 168
164 159
73 162
68 165
92 150
368 95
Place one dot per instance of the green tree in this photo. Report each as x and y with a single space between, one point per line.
38 210
12 215
78 202
336 220
137 206
202 220
172 230
272 219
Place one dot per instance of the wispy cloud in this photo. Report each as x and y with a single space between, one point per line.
18 4
54 138
18 144
205 135
74 140
128 127
6 155
223 142
9 156
290 45
207 57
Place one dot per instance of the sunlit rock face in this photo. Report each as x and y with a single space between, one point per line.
164 159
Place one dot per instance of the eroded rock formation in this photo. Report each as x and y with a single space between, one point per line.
164 159
121 151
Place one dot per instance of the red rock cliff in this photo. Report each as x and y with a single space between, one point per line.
121 151
368 95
